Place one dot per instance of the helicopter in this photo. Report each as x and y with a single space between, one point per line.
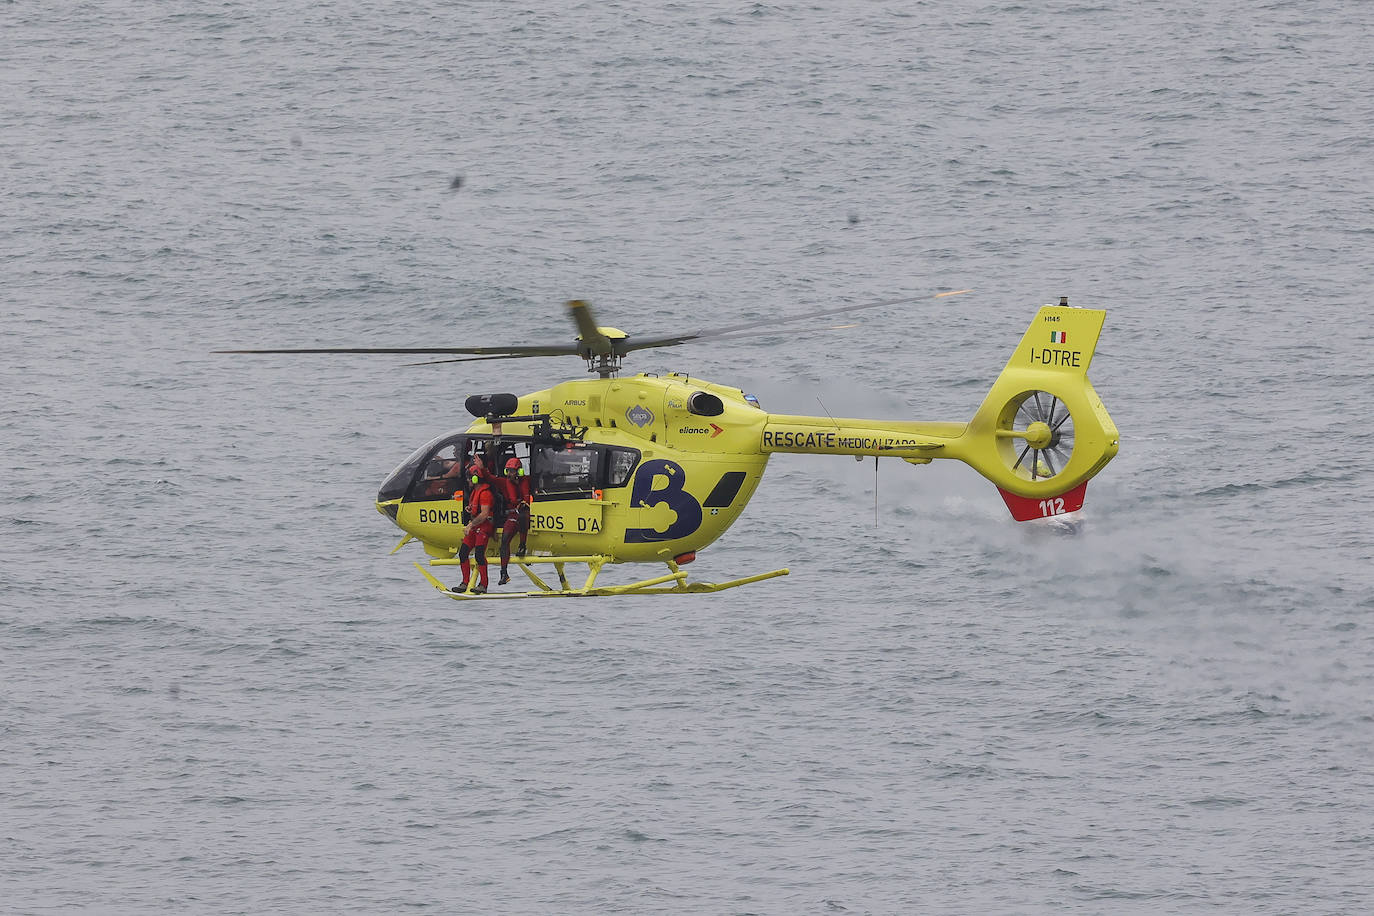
655 468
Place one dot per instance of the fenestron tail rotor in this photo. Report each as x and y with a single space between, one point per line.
1043 428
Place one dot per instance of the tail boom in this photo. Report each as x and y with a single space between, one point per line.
1040 434
830 436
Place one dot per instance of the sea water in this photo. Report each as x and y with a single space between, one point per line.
223 694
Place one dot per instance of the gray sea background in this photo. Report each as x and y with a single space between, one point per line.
221 694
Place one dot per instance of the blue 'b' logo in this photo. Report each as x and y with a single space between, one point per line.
645 495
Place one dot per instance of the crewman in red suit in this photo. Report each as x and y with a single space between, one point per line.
516 487
478 505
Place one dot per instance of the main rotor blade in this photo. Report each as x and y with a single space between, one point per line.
591 341
783 332
489 352
473 359
645 343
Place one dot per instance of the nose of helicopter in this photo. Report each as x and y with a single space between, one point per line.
392 494
388 507
397 483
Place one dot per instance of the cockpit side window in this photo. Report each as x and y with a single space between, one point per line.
442 473
495 451
569 471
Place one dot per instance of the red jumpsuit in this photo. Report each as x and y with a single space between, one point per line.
479 500
517 493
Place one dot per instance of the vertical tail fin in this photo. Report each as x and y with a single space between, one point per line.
1042 432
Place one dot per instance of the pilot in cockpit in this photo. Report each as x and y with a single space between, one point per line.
443 475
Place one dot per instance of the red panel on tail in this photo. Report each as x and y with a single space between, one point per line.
1025 508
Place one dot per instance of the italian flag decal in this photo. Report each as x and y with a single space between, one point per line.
1058 337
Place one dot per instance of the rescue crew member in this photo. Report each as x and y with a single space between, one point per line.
478 504
516 487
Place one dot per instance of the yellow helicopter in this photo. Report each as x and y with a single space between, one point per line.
654 468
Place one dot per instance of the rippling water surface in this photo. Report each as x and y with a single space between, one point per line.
223 695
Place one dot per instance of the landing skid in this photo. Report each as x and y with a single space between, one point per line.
658 585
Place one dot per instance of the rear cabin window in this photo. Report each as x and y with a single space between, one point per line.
576 470
620 464
565 472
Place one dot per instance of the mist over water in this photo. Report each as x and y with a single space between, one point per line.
224 695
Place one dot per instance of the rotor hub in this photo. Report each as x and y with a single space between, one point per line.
606 365
1039 435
